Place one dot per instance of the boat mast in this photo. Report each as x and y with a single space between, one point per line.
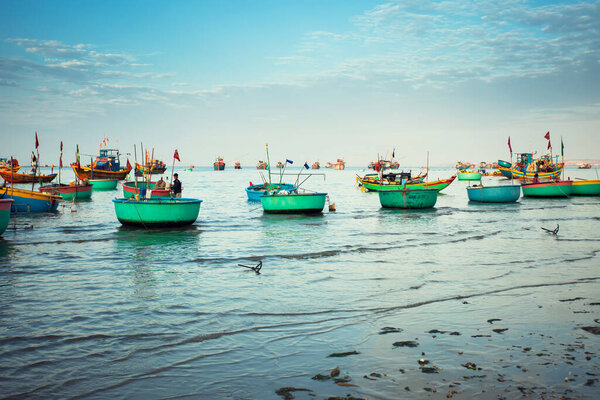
268 163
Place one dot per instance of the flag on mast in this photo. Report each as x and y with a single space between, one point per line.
509 146
547 135
176 155
37 144
562 148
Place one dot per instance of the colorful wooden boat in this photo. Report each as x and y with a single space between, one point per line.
130 189
106 166
547 189
469 176
4 213
28 201
86 173
408 198
254 192
279 164
237 165
151 167
526 167
157 213
377 187
584 166
12 177
103 184
293 203
316 165
494 194
262 165
340 164
393 177
10 163
78 191
586 188
219 164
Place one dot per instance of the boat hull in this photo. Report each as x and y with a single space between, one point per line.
86 173
255 192
586 188
130 190
305 203
547 189
469 176
5 205
28 201
516 174
68 192
157 213
13 177
438 185
494 194
408 198
103 184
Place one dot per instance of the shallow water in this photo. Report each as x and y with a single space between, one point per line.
91 309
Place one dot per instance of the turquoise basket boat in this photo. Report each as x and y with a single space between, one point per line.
28 201
469 176
4 213
586 188
130 190
254 192
408 198
157 213
293 203
494 194
547 189
68 192
103 184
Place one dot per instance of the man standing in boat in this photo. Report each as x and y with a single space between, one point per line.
176 186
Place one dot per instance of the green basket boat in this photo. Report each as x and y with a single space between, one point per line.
586 188
469 176
157 213
293 203
547 189
408 198
103 184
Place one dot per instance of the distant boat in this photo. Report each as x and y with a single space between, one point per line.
219 164
494 194
28 201
12 177
586 187
4 213
408 198
9 163
469 176
237 165
262 165
157 213
77 191
547 189
584 166
103 184
254 192
316 165
106 166
279 164
340 164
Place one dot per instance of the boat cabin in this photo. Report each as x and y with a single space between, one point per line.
108 160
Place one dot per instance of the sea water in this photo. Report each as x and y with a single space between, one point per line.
92 309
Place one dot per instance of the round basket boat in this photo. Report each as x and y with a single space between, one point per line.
157 213
4 213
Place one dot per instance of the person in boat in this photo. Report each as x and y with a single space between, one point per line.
176 186
161 184
535 178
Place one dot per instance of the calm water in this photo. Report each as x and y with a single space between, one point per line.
89 309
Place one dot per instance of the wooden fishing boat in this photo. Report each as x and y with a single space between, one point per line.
408 198
526 167
340 164
219 164
262 165
106 166
586 188
9 163
393 177
12 177
130 189
237 165
377 187
584 166
77 191
293 203
4 213
547 189
469 176
494 194
103 184
28 201
151 167
316 165
254 192
157 213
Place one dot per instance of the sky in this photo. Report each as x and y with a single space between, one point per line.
316 80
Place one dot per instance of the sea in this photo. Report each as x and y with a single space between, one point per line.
463 300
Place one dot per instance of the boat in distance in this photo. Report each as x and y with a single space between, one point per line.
494 194
157 212
469 176
408 198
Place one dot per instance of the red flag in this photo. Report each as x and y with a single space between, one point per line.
61 146
549 145
547 135
60 162
176 155
128 165
509 146
37 144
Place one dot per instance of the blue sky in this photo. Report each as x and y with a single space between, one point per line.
314 79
